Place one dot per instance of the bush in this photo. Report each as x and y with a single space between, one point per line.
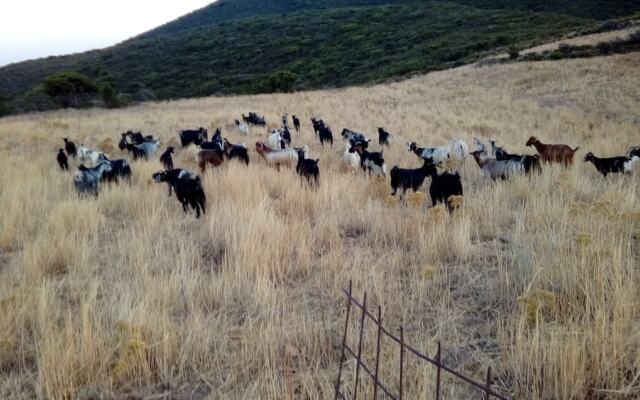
281 81
4 108
514 53
70 89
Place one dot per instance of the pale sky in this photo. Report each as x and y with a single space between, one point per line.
40 28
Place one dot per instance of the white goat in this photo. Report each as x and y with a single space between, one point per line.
86 154
243 128
459 149
278 157
350 159
276 140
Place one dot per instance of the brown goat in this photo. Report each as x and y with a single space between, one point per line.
559 153
213 157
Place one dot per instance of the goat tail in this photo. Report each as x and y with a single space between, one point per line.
576 149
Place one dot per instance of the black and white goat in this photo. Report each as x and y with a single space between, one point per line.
355 138
613 165
148 148
196 137
86 154
187 186
372 162
437 154
530 163
120 169
86 180
238 151
495 169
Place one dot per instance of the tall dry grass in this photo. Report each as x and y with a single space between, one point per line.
126 296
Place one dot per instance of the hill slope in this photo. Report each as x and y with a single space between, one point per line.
236 46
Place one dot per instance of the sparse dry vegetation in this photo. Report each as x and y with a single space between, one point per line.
126 296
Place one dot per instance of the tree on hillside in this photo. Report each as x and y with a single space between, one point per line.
70 89
4 108
281 81
109 96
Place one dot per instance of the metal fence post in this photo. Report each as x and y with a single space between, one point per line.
344 343
375 380
401 359
488 386
359 358
438 365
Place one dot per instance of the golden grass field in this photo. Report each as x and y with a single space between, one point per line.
127 297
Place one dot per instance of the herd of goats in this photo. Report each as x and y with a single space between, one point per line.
493 160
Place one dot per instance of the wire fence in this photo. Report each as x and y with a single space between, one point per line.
379 388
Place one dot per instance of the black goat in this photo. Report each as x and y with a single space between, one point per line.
384 137
236 151
137 138
166 159
325 135
307 168
254 119
196 137
216 143
70 147
135 151
122 144
408 178
296 123
62 160
188 188
286 136
612 165
443 186
317 125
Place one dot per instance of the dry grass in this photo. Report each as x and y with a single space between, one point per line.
127 296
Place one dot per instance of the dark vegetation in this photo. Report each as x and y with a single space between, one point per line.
615 46
629 44
251 46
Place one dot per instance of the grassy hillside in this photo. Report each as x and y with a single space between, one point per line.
124 296
238 46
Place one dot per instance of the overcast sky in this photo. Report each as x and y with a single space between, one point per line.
40 28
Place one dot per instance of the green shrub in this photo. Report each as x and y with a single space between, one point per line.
70 89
